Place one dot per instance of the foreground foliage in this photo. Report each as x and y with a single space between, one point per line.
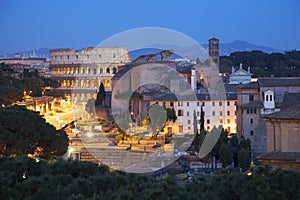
24 178
24 132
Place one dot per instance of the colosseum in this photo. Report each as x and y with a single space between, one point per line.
80 72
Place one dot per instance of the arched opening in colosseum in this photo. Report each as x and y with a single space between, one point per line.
88 84
107 84
114 70
99 83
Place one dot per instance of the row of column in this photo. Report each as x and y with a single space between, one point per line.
89 83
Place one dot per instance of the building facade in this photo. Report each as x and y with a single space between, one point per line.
283 135
256 99
240 76
81 72
217 113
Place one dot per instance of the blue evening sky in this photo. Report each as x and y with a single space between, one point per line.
32 24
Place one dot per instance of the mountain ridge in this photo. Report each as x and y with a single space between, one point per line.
225 50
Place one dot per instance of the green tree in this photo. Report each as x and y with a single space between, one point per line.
202 120
90 107
196 142
244 159
225 155
100 100
25 132
171 114
157 118
145 121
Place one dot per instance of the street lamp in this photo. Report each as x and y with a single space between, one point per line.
130 135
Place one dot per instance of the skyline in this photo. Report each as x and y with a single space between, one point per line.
28 25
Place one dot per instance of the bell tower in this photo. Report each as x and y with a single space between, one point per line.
214 50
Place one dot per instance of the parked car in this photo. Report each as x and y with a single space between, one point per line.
157 145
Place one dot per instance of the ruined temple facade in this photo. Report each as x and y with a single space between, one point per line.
80 72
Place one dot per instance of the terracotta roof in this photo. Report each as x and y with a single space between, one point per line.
213 38
290 108
173 97
290 100
251 85
278 155
287 113
279 81
253 104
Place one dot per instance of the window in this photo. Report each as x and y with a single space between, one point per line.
171 103
101 71
228 129
189 121
221 121
187 113
235 113
271 98
208 128
107 83
68 57
213 103
164 104
213 113
228 103
248 110
114 55
114 70
99 55
95 71
198 113
208 121
251 121
87 56
198 103
220 103
180 127
187 104
267 97
228 113
203 103
76 56
189 128
107 70
254 110
251 133
251 97
180 113
221 113
89 70
228 121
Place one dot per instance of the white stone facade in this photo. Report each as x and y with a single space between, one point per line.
81 72
216 113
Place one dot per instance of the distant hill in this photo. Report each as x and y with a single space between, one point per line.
193 51
228 48
36 53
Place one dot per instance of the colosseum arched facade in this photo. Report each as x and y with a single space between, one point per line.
80 72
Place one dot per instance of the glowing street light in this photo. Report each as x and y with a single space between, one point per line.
89 134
